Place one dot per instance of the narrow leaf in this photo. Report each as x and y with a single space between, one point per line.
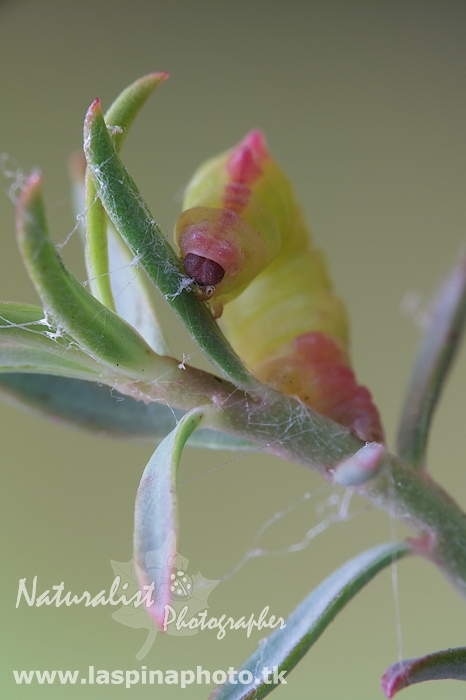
127 105
433 363
30 342
216 440
156 510
119 118
125 206
100 332
128 283
285 647
442 665
103 410
131 294
17 358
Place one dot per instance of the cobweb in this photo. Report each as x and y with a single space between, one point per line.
326 506
330 505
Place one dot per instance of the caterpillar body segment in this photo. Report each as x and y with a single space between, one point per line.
244 241
224 237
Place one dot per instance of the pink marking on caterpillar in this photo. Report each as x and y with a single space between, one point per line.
236 196
249 226
255 140
314 368
215 240
244 168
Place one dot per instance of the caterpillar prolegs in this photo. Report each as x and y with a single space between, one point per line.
243 240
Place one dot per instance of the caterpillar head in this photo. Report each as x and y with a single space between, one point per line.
220 252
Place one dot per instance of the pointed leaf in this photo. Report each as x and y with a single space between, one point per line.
127 105
156 510
442 665
103 410
433 363
131 294
129 285
128 211
16 358
30 342
119 118
285 647
90 406
100 332
216 440
27 324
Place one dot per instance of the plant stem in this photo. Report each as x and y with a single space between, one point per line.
286 428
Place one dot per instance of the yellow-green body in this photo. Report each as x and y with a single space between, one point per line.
275 298
291 293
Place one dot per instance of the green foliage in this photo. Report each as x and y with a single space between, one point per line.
60 360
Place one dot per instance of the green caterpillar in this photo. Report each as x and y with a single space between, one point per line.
243 240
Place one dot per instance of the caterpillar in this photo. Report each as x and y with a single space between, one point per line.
243 240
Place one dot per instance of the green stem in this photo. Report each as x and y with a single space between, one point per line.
280 424
410 496
286 428
134 222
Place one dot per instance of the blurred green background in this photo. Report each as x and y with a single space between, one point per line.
363 105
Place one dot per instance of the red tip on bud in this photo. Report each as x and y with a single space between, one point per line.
31 186
362 466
